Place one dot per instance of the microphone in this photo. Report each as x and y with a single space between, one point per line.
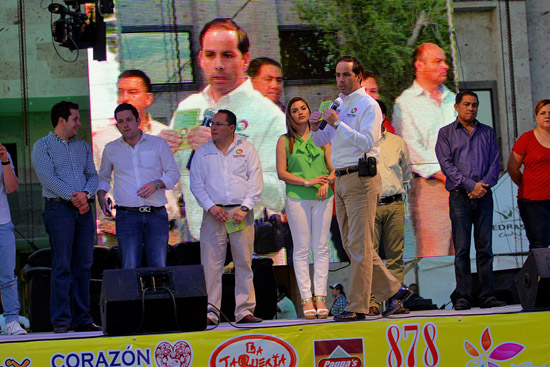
333 106
206 121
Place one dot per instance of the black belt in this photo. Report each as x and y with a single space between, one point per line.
66 202
345 171
390 199
466 192
227 205
140 209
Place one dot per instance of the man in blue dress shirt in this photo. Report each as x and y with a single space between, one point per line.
468 154
65 168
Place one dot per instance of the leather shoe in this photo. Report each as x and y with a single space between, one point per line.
493 302
61 329
396 301
402 311
249 319
349 316
88 327
462 305
374 311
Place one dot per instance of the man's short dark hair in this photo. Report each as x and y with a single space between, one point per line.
243 44
367 74
257 63
357 68
62 109
229 116
463 93
127 107
135 73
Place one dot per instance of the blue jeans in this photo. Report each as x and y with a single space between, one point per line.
8 280
464 213
72 243
137 231
535 215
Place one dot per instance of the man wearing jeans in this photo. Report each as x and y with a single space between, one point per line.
65 168
467 152
8 280
144 168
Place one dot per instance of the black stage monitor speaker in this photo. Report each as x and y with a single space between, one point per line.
150 300
533 281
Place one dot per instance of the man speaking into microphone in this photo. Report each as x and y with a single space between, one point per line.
355 133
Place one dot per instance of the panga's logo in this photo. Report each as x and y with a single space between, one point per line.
12 362
254 350
488 357
242 125
167 355
354 110
239 151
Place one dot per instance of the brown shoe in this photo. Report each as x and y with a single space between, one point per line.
374 311
249 319
402 311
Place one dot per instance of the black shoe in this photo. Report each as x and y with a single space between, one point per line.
396 302
493 302
462 305
88 327
249 319
61 329
349 316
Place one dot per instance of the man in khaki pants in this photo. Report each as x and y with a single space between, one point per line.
355 132
226 179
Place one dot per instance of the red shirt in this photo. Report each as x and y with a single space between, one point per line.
536 174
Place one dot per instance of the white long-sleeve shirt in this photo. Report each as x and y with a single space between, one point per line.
233 178
358 132
417 118
151 159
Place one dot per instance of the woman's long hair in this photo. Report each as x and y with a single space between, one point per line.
291 129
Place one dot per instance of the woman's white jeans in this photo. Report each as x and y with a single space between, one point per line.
309 222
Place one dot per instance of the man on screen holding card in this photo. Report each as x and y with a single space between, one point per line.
226 179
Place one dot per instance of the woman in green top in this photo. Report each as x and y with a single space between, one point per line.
308 173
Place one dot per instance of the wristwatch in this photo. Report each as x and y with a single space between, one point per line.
157 185
336 124
88 195
244 208
306 183
6 163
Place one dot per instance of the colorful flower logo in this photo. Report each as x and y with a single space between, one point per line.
242 125
354 110
239 151
488 358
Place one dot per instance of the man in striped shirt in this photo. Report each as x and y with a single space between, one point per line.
65 168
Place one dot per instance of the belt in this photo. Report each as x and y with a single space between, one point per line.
66 202
140 209
390 199
345 171
460 191
227 205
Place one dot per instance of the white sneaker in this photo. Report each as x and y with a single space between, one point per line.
15 329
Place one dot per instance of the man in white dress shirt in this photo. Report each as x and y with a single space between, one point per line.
226 179
224 59
418 114
144 168
354 129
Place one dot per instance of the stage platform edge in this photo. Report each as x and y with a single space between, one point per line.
475 338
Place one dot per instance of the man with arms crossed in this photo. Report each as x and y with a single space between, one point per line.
468 154
65 168
418 114
224 59
355 130
226 179
144 168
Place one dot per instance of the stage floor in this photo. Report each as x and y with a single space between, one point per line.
422 338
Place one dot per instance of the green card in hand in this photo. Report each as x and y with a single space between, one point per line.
232 227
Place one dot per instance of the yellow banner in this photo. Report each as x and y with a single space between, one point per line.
520 340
